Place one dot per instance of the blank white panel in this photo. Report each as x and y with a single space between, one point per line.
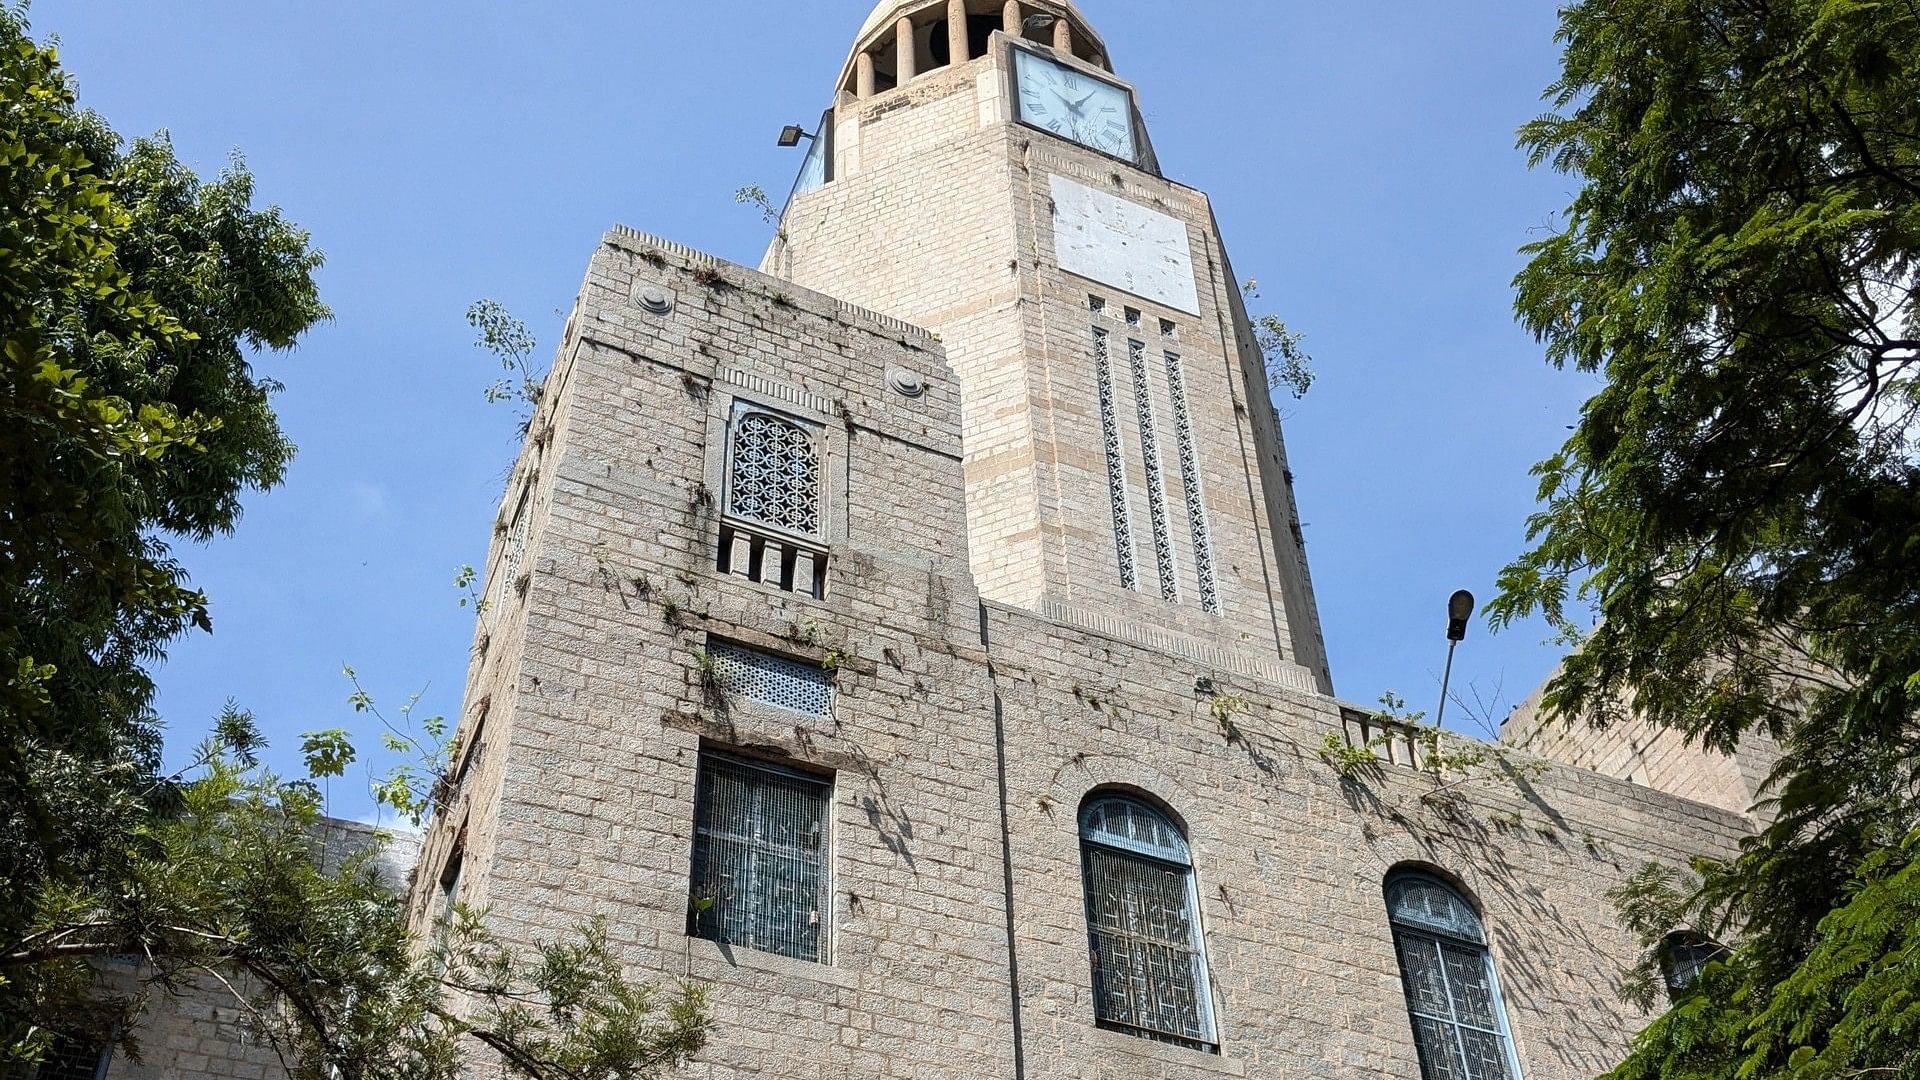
1122 244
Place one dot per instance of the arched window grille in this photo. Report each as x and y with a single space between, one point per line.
1143 924
773 473
1453 995
1683 955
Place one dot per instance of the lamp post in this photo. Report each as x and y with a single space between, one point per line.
1459 610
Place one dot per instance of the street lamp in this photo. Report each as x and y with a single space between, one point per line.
792 134
1459 610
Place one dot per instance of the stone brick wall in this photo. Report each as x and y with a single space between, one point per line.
941 214
1662 759
963 740
201 1029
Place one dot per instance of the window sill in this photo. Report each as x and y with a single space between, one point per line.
1166 1053
714 961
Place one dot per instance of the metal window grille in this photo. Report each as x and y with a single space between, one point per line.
1156 484
760 876
73 1059
1190 479
1453 998
772 680
1143 926
1116 461
1686 956
773 474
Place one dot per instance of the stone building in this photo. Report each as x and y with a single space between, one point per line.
913 639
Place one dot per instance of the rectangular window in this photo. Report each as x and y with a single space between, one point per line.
515 549
73 1059
760 877
771 680
450 884
1148 976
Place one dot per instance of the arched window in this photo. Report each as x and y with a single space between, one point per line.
1683 955
1143 924
773 474
1453 996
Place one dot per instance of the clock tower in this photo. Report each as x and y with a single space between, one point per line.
984 173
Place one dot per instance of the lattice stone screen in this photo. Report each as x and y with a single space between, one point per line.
1156 483
773 473
1149 969
1453 999
760 878
771 680
1116 461
1190 479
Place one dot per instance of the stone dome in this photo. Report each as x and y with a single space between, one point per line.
887 12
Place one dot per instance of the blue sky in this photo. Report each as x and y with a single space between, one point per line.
1360 157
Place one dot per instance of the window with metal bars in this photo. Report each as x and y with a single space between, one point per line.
1143 924
760 878
1453 995
1684 955
72 1058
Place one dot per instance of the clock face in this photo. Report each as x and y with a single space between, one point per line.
1074 105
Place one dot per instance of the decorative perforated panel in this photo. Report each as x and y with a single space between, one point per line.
1190 478
516 547
771 680
1116 463
1156 484
773 473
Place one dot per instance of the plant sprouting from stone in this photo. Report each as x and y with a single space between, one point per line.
508 341
1288 364
420 781
466 579
1224 708
756 196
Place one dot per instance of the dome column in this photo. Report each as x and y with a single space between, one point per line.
863 84
1010 19
905 57
957 50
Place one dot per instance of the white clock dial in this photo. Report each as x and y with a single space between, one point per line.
1074 105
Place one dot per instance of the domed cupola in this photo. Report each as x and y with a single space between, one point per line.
903 39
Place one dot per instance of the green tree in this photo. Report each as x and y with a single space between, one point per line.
133 297
1739 507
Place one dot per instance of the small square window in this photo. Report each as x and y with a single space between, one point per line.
760 877
1096 305
1133 317
1167 329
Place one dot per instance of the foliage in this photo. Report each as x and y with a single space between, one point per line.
508 341
236 893
1740 503
1288 363
1447 762
132 294
756 196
